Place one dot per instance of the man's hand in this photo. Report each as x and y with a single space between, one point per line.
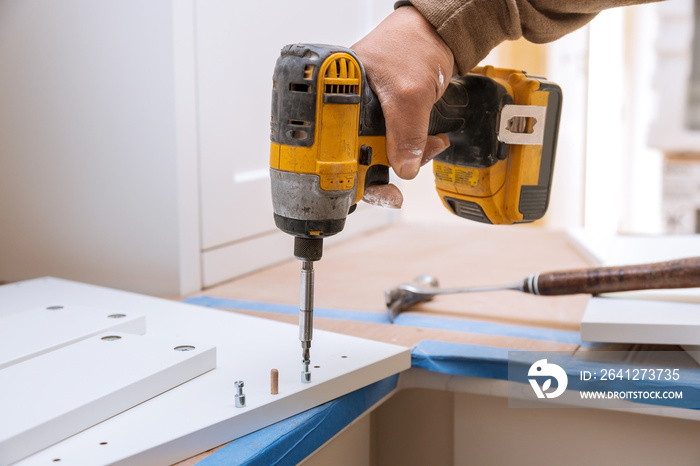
409 67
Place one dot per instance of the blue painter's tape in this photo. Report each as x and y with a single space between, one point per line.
513 365
290 441
461 359
409 320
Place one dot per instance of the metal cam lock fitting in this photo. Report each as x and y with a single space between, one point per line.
240 396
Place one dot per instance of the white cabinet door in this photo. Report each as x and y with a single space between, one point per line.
237 46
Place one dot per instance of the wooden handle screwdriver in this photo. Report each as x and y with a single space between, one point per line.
681 273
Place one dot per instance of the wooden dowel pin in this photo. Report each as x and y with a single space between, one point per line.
274 382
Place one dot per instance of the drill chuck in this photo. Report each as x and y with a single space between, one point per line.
307 249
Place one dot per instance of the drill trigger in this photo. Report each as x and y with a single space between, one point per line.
365 156
377 174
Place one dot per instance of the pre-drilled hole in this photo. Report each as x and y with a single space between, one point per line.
344 357
111 338
54 308
103 443
116 316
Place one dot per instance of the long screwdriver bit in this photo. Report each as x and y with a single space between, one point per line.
306 317
307 250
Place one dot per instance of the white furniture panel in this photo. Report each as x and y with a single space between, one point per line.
201 413
32 332
644 316
56 395
613 249
609 320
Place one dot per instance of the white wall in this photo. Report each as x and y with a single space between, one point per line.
88 184
623 174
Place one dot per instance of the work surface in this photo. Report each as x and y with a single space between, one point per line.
458 335
354 274
77 384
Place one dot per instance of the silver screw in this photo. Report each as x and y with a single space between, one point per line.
305 372
240 396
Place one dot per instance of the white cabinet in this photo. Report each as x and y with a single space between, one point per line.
237 46
134 136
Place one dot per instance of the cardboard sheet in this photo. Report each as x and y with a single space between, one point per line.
353 275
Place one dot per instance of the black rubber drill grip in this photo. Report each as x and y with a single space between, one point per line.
448 113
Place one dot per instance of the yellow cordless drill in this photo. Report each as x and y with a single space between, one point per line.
328 145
